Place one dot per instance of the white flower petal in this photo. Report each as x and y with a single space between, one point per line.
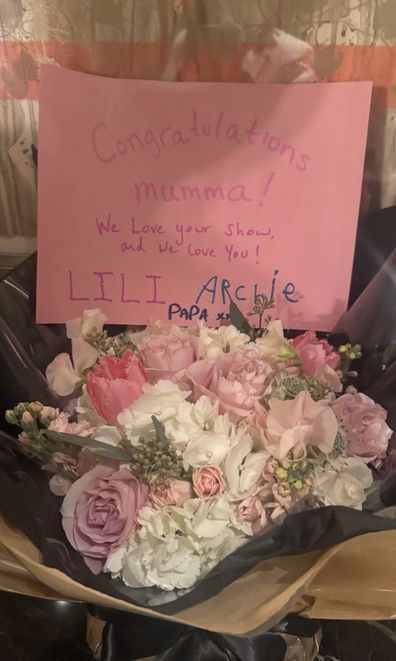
108 434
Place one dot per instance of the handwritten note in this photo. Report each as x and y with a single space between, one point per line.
167 200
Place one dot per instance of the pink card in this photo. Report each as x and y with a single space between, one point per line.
166 200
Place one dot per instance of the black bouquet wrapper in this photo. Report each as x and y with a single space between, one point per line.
26 502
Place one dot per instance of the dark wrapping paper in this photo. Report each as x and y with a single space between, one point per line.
174 642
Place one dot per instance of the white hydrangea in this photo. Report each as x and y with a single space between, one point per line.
201 434
190 420
176 546
206 448
218 341
161 400
168 564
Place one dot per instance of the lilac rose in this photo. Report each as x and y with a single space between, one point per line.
100 512
367 432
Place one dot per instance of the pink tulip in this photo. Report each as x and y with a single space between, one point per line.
115 384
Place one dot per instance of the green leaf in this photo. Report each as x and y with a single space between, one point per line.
101 449
159 429
238 320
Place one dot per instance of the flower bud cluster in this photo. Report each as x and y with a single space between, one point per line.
155 461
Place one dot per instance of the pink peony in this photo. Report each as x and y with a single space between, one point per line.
293 424
100 512
367 432
176 492
115 384
208 481
238 380
165 355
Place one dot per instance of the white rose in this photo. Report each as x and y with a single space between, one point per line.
343 483
161 400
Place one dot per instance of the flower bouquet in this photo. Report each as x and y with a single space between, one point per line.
297 557
183 455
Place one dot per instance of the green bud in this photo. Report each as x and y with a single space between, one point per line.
35 408
287 352
10 417
21 408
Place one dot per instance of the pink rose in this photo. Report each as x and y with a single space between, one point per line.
319 359
61 424
295 423
100 511
166 355
208 481
238 380
176 492
115 384
315 353
367 432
